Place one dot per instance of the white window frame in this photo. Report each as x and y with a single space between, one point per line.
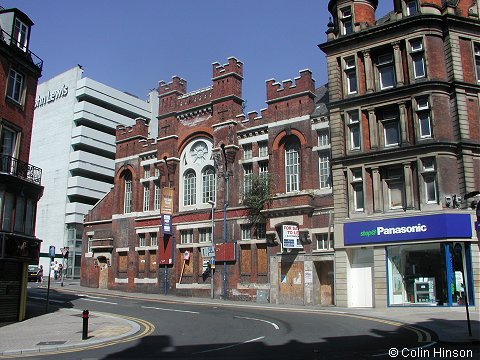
292 168
157 195
189 188
323 243
346 20
350 70
146 171
324 170
417 55
9 148
353 118
409 7
424 115
263 169
247 151
476 52
20 34
186 236
261 231
390 120
245 230
384 62
205 235
208 183
142 241
153 239
357 190
262 148
323 137
146 196
15 86
247 178
127 199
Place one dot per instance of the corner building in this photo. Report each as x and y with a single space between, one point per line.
20 182
176 214
404 112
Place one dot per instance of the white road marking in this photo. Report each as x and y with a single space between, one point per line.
230 346
268 322
92 297
49 300
99 301
182 311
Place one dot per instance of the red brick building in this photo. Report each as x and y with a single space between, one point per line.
204 162
20 182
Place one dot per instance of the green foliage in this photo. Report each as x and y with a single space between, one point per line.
258 197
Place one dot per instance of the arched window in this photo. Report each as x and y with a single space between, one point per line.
189 188
127 200
198 172
208 185
292 167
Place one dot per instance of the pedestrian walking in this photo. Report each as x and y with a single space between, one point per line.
40 274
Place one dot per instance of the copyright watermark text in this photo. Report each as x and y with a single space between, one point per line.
430 353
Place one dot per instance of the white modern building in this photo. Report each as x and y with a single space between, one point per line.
73 142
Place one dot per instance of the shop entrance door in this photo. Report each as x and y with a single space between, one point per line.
360 281
324 287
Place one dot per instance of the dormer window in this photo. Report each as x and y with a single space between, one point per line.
346 20
20 34
411 7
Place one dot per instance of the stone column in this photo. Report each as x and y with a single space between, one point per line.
372 124
377 190
397 55
403 123
368 71
409 197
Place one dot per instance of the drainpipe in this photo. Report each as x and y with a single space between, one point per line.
225 228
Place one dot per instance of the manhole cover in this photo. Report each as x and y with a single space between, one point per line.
51 343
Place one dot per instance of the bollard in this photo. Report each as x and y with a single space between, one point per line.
85 325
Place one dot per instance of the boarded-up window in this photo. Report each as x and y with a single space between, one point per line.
188 270
262 259
245 259
141 262
122 262
153 261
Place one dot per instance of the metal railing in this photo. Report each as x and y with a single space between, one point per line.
8 39
15 167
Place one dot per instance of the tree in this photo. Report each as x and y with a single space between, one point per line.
258 197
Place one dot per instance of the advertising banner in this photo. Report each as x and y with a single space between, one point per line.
291 237
440 226
167 224
166 206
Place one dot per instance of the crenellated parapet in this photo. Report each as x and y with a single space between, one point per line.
130 139
290 99
233 66
288 89
177 85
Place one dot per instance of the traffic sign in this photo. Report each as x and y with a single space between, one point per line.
208 251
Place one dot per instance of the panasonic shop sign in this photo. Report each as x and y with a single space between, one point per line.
441 226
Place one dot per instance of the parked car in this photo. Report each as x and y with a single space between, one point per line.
32 272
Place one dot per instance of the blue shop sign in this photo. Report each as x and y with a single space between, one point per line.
441 226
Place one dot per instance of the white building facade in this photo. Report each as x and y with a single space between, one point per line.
73 141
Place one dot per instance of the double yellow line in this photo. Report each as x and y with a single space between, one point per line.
148 328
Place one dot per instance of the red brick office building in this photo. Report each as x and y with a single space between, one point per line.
205 158
20 182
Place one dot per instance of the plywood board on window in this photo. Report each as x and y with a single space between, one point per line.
245 259
262 259
153 261
122 262
141 262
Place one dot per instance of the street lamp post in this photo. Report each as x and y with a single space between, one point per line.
225 228
212 204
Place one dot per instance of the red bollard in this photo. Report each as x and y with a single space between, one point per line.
85 325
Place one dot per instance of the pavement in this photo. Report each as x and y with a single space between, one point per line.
61 328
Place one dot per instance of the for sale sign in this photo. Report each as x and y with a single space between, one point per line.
291 237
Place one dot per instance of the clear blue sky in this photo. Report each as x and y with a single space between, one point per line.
131 45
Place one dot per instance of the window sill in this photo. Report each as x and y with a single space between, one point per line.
251 241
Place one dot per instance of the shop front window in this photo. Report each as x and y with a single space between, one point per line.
427 274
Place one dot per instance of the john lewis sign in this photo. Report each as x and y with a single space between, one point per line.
441 226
